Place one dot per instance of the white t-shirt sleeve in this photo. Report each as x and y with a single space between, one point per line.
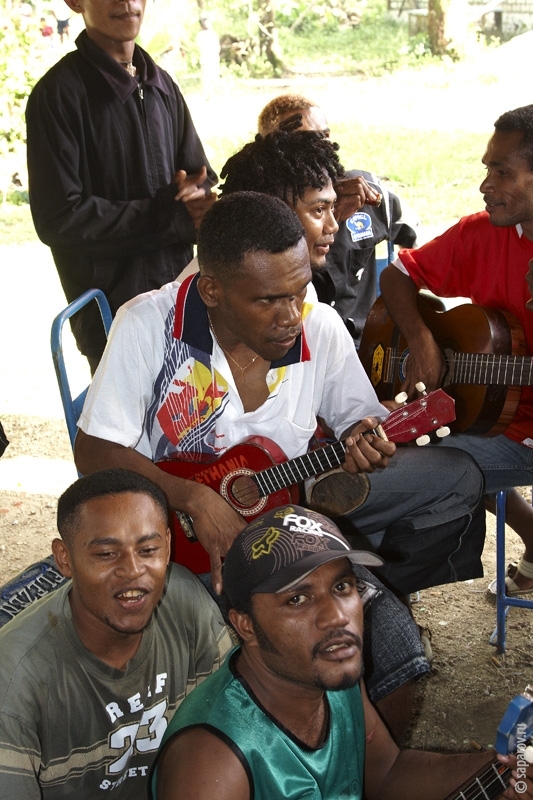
122 388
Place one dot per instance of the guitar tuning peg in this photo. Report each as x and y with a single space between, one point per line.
442 432
422 440
400 398
421 387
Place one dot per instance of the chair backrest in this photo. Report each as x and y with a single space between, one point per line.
72 406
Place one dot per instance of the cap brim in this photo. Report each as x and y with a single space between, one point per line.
312 562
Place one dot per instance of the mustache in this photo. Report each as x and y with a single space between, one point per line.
333 635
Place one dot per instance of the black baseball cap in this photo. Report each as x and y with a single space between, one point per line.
281 547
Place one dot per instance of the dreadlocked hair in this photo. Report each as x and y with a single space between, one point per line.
283 164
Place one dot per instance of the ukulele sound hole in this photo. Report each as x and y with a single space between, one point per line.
240 489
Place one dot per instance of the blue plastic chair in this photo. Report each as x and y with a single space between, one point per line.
503 601
72 406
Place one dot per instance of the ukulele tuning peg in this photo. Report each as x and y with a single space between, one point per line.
442 432
422 440
421 387
400 398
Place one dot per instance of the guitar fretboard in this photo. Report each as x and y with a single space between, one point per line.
484 369
487 369
280 476
487 785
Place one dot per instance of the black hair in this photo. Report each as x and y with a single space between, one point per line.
519 120
283 164
241 223
101 484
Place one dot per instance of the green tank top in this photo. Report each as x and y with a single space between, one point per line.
277 764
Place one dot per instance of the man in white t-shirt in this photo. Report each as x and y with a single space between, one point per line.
196 368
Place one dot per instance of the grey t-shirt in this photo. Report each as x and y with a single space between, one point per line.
74 727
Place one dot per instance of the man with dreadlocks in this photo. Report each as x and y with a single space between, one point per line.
367 214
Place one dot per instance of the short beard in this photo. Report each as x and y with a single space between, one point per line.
265 644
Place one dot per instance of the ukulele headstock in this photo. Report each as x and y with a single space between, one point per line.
429 412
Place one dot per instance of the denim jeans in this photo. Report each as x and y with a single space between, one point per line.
425 516
504 463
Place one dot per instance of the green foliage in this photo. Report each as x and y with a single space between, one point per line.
379 44
16 80
300 15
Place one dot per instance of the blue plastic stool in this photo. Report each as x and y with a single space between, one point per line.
72 407
503 601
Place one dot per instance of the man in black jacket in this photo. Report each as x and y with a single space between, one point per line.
119 180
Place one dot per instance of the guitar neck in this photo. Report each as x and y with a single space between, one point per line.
315 462
488 784
487 369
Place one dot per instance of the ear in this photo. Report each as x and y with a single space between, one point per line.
243 625
210 290
75 5
167 543
62 557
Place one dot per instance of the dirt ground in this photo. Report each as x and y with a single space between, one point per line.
461 702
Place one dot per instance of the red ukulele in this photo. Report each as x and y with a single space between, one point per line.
255 476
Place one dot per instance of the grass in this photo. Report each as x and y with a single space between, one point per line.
16 225
379 45
436 173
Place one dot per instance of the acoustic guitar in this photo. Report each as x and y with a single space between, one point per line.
255 476
484 350
513 738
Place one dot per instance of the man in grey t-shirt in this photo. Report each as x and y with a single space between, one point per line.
91 674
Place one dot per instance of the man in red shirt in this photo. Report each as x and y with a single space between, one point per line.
485 257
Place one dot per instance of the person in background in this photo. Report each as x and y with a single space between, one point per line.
61 13
349 281
209 48
118 178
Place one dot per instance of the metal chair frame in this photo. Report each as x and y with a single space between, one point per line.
72 406
503 601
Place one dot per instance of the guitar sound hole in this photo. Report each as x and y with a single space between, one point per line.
244 491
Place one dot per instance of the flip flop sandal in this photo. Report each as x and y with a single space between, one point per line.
425 638
511 588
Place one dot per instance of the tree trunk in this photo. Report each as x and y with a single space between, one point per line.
268 34
436 26
447 26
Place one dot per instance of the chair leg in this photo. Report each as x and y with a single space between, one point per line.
501 606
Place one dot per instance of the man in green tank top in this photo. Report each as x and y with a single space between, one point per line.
287 715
